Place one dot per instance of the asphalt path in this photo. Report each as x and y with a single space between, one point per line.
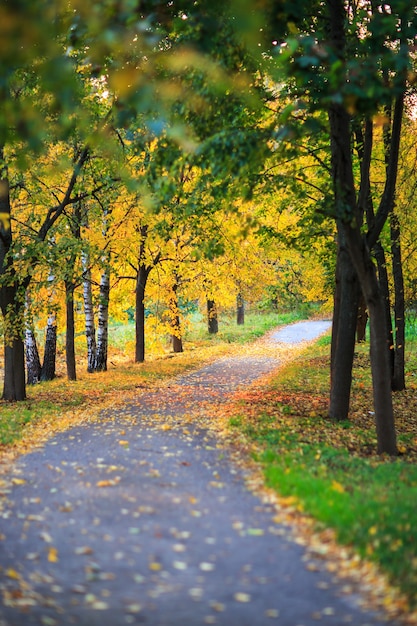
125 522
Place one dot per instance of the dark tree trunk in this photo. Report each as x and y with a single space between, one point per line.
384 287
14 385
142 279
362 320
14 388
176 335
11 302
343 334
70 331
357 245
398 379
240 309
49 358
212 319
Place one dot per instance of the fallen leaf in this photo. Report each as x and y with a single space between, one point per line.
206 567
53 555
336 486
154 566
196 593
99 605
108 483
179 547
48 621
242 597
84 550
256 532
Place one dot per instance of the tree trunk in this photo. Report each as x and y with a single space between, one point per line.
11 301
350 220
49 358
14 388
90 329
14 384
362 320
213 322
385 294
398 379
70 331
33 363
240 309
103 323
343 334
141 281
381 371
176 334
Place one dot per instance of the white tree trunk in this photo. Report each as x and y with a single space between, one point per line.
103 323
49 357
90 329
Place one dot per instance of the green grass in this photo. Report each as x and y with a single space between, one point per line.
370 505
332 468
256 325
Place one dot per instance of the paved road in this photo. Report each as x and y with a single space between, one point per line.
122 522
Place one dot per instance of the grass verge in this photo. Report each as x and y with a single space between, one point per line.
331 469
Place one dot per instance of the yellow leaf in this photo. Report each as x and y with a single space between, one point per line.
53 555
123 442
108 483
154 566
288 501
18 481
338 487
11 573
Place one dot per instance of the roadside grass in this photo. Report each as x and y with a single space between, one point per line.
59 404
331 469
